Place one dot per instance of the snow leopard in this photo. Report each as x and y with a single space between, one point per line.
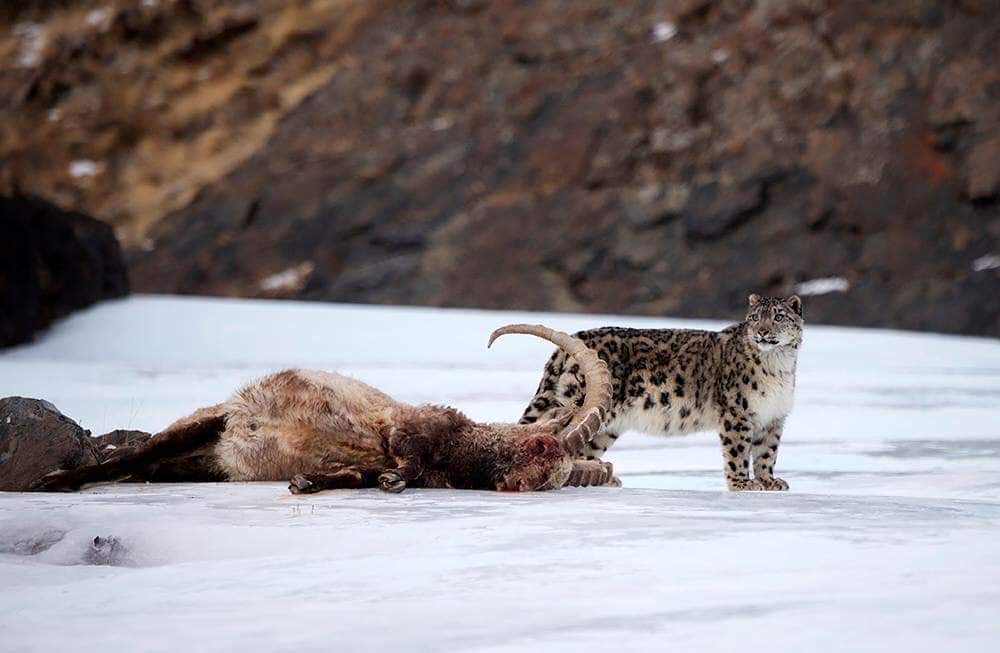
739 381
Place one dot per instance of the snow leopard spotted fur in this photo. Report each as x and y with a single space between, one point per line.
739 381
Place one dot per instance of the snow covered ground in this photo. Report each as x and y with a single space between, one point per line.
888 540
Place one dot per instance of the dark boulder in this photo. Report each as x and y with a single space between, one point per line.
35 439
107 551
52 262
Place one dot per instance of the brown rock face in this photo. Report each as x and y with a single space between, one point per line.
637 156
35 439
126 108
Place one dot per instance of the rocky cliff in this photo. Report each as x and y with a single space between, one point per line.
635 156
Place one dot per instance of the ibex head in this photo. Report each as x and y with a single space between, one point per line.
544 452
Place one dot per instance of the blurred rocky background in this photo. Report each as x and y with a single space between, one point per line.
645 157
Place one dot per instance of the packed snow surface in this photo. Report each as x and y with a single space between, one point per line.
888 540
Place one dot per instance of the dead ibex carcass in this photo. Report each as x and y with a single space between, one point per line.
326 431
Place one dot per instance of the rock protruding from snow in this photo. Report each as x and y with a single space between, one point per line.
35 439
107 551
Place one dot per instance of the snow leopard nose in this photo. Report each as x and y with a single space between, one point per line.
763 333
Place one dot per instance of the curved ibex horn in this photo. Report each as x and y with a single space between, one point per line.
587 419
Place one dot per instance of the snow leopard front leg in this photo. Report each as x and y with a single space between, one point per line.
765 455
735 439
599 445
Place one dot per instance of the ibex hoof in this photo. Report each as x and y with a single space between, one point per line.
391 482
58 481
302 485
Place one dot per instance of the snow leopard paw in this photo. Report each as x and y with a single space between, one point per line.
773 484
745 485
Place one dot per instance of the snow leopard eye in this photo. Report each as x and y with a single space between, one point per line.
778 317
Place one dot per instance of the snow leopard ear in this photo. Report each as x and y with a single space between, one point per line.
795 304
754 299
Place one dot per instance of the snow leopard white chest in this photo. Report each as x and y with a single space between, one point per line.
774 394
